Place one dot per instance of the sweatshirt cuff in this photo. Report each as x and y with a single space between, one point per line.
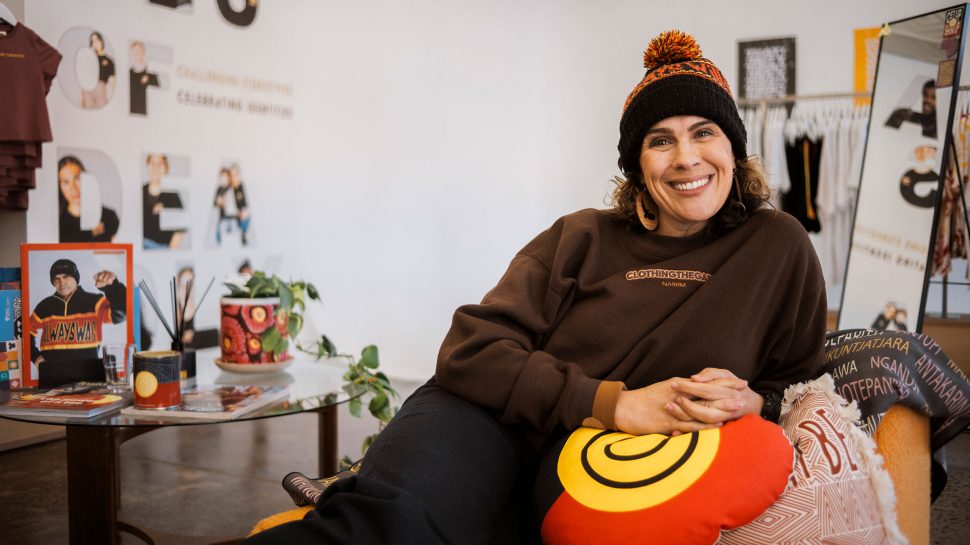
604 405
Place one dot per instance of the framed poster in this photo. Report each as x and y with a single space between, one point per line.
77 297
767 68
906 158
866 48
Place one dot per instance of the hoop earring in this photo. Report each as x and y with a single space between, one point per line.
647 218
738 204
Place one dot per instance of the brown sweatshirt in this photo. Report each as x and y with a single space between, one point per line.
593 304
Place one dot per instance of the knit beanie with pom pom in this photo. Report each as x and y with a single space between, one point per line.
679 81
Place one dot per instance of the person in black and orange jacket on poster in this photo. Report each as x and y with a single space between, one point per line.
68 324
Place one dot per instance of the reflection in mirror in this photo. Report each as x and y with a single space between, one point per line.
901 174
949 274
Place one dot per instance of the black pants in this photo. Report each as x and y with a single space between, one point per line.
444 471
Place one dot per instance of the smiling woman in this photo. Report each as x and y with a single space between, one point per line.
682 147
623 319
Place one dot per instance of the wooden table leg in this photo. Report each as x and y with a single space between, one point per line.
93 471
327 440
94 481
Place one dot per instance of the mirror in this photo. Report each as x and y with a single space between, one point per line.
890 257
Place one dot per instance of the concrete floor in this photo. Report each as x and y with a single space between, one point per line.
221 479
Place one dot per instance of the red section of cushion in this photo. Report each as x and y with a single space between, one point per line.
749 472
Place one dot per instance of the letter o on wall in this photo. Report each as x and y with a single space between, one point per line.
75 45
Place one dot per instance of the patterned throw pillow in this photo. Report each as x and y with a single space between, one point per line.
838 491
608 487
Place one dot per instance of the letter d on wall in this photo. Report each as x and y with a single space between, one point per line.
100 186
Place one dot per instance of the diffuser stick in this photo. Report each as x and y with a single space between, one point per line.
154 303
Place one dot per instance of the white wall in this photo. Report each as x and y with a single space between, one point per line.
447 134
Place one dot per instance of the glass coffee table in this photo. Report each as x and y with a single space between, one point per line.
94 461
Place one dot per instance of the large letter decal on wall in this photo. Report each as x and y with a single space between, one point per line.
243 17
87 75
159 202
140 77
88 196
925 117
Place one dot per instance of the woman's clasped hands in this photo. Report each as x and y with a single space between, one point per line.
705 400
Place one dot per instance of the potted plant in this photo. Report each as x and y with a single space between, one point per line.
363 381
259 317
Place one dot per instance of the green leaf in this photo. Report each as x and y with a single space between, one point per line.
345 463
327 346
286 297
299 297
369 357
271 339
312 292
294 324
235 291
281 346
368 441
378 404
355 406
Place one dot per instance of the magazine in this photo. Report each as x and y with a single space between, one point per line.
217 402
78 400
10 333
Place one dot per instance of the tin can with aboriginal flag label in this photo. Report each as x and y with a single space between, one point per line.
156 384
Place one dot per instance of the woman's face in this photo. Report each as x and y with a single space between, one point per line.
688 168
137 54
69 179
96 44
156 168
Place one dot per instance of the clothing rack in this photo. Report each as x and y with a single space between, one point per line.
791 99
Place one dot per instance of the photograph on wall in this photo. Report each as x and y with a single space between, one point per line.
88 201
161 203
892 250
766 68
97 97
187 295
140 77
232 217
93 61
77 297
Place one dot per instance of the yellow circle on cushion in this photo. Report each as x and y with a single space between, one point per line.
145 384
613 471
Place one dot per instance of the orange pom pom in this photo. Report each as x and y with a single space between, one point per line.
670 47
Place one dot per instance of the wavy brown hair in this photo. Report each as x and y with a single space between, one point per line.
751 180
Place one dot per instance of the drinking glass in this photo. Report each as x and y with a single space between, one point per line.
117 360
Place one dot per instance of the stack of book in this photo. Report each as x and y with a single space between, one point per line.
78 400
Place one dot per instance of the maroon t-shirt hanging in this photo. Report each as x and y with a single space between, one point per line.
28 65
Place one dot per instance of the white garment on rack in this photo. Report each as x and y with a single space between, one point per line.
835 123
775 162
826 126
753 119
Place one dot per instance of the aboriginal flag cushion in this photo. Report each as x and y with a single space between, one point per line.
838 492
603 487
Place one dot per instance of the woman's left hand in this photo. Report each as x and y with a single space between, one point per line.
713 395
